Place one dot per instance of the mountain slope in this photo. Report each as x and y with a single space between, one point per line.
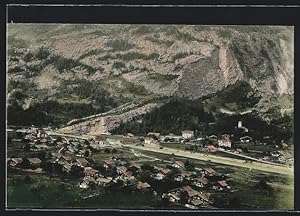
105 66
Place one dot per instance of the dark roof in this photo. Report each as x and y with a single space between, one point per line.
202 180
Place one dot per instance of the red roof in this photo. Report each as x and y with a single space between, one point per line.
164 170
128 173
211 148
108 162
190 191
223 183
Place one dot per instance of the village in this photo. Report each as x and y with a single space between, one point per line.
175 182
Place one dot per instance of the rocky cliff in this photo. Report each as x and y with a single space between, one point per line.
144 62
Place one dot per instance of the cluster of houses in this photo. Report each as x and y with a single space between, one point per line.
72 158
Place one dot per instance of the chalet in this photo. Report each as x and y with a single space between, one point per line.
151 141
41 147
66 167
246 139
180 177
89 171
238 151
171 138
121 170
130 135
65 158
44 140
164 171
187 134
142 185
172 196
211 148
41 134
213 137
154 134
178 164
32 163
209 171
136 167
108 163
158 176
87 182
222 185
82 162
200 182
194 196
224 141
103 181
127 175
14 162
55 155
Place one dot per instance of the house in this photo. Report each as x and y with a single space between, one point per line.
164 171
89 171
154 134
108 163
32 163
171 196
222 185
158 176
151 141
238 151
179 178
14 162
200 182
178 164
136 167
187 134
142 185
182 176
55 155
65 158
103 181
41 134
195 196
224 141
87 182
211 148
66 167
213 137
127 175
246 139
82 162
130 135
209 171
121 170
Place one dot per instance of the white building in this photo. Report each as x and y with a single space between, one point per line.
225 141
187 134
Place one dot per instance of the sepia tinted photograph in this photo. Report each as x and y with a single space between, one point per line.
150 116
